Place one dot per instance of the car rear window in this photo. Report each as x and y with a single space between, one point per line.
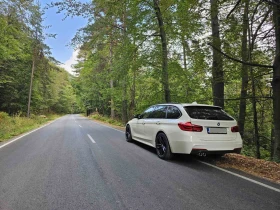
173 112
207 113
158 112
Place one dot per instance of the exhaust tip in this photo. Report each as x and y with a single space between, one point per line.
199 152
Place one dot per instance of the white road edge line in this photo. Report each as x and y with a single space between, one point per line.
91 139
27 134
240 176
221 169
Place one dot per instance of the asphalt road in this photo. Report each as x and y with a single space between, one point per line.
75 163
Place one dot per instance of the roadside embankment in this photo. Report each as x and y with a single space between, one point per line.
11 126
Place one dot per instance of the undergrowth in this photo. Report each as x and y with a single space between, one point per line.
106 119
11 126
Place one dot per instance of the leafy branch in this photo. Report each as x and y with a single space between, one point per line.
237 60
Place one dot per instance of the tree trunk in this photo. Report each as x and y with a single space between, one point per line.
31 84
165 81
184 52
124 104
124 94
133 90
254 104
112 99
125 72
112 105
272 142
244 71
276 85
217 64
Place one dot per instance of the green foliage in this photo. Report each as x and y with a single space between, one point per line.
21 43
106 119
13 126
3 116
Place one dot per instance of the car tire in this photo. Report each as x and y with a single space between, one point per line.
163 147
128 135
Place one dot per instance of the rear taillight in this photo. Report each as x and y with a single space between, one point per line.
234 129
188 126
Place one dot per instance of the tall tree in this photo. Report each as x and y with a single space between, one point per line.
37 35
244 70
276 82
164 52
217 63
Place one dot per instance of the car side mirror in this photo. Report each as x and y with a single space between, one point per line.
137 116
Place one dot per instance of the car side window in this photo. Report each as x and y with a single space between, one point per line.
147 113
173 112
159 112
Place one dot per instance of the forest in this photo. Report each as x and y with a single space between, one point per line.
27 69
136 53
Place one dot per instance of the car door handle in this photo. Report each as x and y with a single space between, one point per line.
158 123
143 123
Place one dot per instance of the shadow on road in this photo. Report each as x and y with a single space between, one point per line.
180 159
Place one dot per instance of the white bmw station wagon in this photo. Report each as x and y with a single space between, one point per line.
185 128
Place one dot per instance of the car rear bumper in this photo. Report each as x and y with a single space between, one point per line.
192 145
199 151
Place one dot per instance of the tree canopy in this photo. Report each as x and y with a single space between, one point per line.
22 45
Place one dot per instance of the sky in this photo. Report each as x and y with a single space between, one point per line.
65 30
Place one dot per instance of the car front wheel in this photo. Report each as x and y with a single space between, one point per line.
128 135
162 147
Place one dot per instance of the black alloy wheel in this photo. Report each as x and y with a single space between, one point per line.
162 147
128 135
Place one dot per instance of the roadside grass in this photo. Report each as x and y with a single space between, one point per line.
106 119
16 125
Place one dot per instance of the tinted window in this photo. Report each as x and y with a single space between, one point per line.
173 112
207 113
147 113
159 112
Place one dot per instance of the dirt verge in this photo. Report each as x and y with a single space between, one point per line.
261 168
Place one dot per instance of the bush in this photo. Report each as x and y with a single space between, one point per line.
109 120
248 151
3 116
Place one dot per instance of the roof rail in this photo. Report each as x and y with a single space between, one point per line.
170 103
